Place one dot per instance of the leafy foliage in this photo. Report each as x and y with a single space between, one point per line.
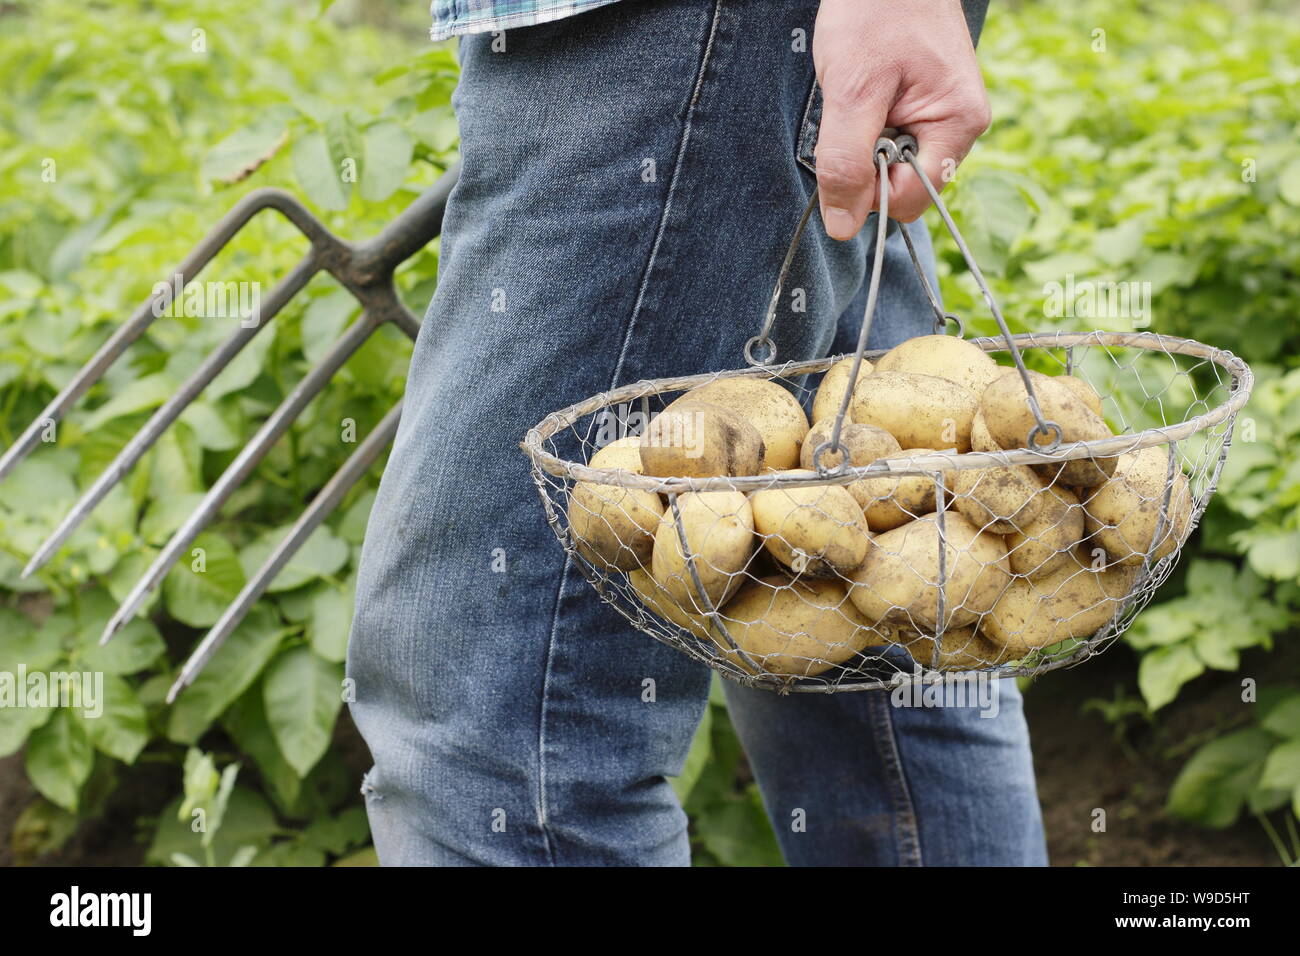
1255 769
127 132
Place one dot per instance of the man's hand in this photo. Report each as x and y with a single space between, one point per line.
902 63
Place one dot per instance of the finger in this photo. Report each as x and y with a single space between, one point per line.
941 146
846 173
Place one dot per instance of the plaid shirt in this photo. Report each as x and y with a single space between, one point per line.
452 17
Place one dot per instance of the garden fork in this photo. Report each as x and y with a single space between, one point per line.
364 269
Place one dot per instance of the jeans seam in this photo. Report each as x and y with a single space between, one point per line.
541 717
909 842
678 162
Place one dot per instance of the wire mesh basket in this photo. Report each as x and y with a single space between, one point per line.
855 522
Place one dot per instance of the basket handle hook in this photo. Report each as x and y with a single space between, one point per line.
1042 425
894 146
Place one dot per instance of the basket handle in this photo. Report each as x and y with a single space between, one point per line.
894 146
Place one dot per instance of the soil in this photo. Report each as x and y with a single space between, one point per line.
1083 762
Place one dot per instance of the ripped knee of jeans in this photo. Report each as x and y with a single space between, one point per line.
368 788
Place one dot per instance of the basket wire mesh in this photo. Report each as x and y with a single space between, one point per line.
861 558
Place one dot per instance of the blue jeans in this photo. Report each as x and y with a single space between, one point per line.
631 179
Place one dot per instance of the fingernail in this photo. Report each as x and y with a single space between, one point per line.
839 223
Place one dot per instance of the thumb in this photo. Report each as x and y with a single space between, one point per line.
846 170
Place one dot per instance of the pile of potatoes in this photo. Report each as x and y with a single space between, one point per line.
807 577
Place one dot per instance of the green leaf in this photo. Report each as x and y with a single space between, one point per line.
139 395
1213 786
246 722
1275 554
303 696
227 675
738 833
323 322
204 582
24 643
996 215
1166 269
321 555
387 156
1289 182
316 173
347 149
1164 670
199 781
175 464
17 723
220 803
166 515
329 621
366 857
70 254
233 157
243 369
352 527
336 835
59 758
36 487
137 646
212 429
40 829
290 853
122 729
247 821
1119 245
1284 718
1282 768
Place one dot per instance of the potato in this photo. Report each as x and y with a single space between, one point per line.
864 443
1081 473
719 528
921 411
1123 514
980 439
962 648
1044 544
1074 601
996 499
1083 390
834 383
660 602
813 529
700 440
889 503
1008 417
942 356
771 409
799 628
614 527
899 581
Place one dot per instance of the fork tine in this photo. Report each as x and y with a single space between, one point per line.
140 320
167 413
322 505
243 465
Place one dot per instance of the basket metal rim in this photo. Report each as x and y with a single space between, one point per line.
1239 392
